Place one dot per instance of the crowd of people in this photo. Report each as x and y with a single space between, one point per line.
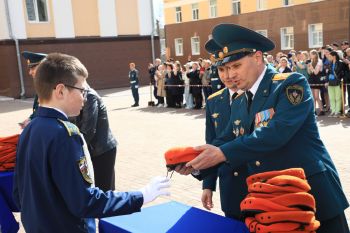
327 70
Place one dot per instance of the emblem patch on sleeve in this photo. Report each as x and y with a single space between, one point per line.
83 167
295 94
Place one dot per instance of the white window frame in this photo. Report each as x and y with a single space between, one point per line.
317 33
195 11
262 32
195 45
36 11
260 5
178 14
235 10
290 2
290 35
213 9
179 47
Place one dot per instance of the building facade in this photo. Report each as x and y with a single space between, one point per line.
291 24
106 35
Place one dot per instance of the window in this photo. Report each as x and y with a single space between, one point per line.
236 7
260 5
286 2
287 38
315 35
179 47
195 11
262 32
178 14
37 10
195 45
212 8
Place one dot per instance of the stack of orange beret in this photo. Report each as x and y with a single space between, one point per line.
8 152
179 155
278 201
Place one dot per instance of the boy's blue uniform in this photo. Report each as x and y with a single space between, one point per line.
52 185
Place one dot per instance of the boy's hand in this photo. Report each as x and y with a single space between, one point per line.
207 199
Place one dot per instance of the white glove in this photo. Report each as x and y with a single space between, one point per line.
155 188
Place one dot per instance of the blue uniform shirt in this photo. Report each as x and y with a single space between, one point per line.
52 187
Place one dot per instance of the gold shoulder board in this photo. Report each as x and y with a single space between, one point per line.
216 94
281 76
71 128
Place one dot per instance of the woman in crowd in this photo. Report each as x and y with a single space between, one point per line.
335 76
314 69
283 66
160 80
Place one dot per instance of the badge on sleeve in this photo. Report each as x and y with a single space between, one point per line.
295 94
83 167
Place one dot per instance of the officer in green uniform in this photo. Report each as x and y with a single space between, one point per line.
218 111
134 84
278 114
215 81
33 60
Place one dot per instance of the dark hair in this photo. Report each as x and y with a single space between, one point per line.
335 44
335 54
57 68
345 42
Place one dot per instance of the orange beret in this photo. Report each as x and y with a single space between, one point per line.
287 180
179 155
304 217
259 205
270 188
297 172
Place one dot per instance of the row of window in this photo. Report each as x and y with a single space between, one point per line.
37 11
315 35
236 8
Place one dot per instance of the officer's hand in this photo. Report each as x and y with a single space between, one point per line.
155 188
207 199
210 156
183 170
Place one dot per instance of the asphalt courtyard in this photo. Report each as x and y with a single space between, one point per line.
145 133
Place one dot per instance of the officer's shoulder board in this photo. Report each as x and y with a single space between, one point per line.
216 94
71 128
281 76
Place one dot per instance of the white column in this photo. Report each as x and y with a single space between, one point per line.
145 17
4 30
17 19
63 18
107 18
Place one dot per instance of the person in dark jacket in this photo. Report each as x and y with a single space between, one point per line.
196 85
134 83
335 76
93 124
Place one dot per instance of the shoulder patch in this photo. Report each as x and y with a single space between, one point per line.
71 128
83 167
281 76
216 93
295 94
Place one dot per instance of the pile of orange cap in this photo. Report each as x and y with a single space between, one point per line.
8 152
278 201
179 156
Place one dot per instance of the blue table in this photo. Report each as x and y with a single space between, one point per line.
7 206
171 217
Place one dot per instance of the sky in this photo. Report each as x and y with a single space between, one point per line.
158 11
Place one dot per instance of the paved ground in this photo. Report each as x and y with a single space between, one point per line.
145 133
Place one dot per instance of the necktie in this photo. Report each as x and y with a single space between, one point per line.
249 99
234 95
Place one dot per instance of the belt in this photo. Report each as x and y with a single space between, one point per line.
132 81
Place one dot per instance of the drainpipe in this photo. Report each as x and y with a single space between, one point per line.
13 37
152 34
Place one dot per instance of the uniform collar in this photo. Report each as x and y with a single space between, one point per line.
255 87
51 112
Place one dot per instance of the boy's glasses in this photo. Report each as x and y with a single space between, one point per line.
83 91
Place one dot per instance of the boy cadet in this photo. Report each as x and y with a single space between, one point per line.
218 111
53 182
33 60
278 114
134 83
